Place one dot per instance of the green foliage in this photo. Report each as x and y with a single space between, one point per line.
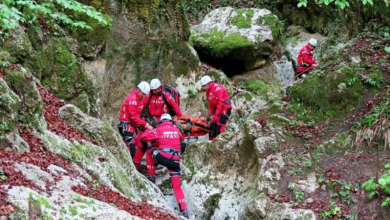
339 3
308 163
381 187
387 49
53 12
191 93
320 73
352 81
73 210
299 195
333 211
3 177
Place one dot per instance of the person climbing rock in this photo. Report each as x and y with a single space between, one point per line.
130 122
168 154
162 99
220 106
305 61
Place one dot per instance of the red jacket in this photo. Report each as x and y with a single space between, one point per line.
157 106
166 134
219 99
131 110
305 59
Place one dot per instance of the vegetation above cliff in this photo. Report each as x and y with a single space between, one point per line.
50 13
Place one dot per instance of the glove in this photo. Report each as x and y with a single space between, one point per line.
214 118
148 126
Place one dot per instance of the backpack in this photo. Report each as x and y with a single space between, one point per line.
175 95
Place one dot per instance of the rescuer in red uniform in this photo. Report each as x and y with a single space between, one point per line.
168 154
220 106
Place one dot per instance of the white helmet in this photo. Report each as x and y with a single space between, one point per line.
155 83
166 116
144 87
313 42
205 80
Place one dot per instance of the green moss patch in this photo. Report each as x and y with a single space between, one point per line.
31 107
242 19
59 72
272 21
338 92
89 39
211 204
221 45
257 86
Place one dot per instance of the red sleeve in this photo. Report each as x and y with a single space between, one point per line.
307 57
173 104
211 107
134 116
149 135
221 102
146 100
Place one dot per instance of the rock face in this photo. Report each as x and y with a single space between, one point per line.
236 34
144 44
59 200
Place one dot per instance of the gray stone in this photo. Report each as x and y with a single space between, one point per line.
221 36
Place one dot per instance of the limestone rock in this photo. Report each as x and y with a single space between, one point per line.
236 34
264 73
285 71
255 64
18 44
262 208
14 142
9 105
143 44
59 199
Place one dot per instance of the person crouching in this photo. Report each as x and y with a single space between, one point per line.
168 154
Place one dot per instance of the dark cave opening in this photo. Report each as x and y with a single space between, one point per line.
229 67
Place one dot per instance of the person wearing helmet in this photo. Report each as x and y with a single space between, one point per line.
305 61
159 101
220 106
130 121
168 154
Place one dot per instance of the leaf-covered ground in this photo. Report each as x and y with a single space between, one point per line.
42 158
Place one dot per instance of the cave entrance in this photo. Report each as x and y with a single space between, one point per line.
229 67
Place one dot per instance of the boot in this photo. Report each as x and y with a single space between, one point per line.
161 171
151 178
184 213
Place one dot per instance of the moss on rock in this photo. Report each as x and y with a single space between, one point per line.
222 45
90 41
31 107
272 21
9 105
59 71
211 204
336 92
243 18
257 86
